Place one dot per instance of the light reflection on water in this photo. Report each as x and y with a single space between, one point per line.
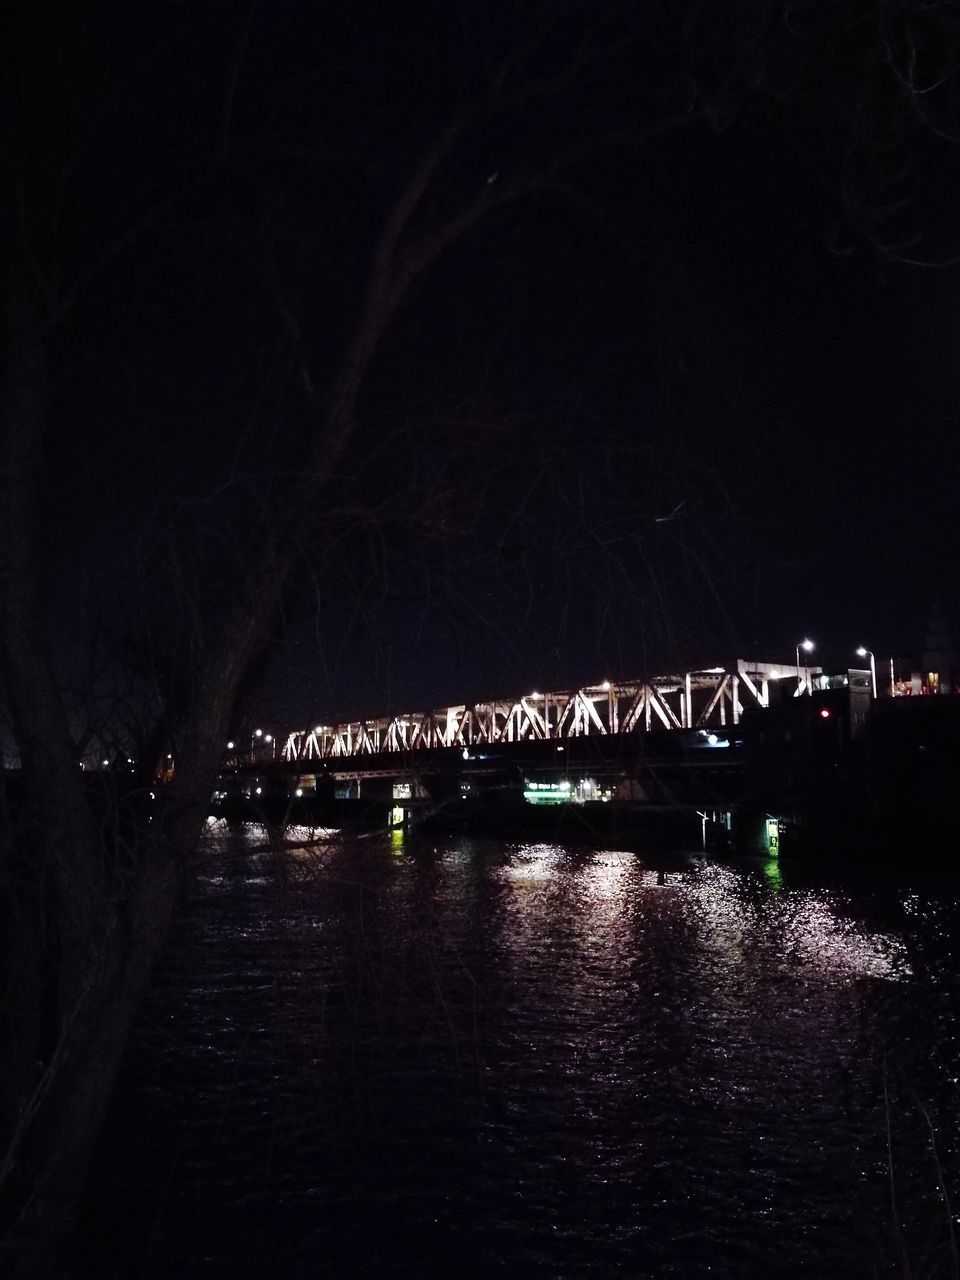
801 928
385 1057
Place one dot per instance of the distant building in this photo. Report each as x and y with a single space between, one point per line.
939 668
934 671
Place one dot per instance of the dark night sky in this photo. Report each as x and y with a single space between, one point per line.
714 326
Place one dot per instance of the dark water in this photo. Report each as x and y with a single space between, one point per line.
478 1059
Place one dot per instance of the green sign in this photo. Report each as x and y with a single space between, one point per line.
773 836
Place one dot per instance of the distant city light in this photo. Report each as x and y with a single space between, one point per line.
230 746
824 713
258 733
605 685
299 791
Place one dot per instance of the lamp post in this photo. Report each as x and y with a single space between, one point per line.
257 734
807 647
868 653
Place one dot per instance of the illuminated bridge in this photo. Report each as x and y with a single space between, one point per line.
715 754
712 698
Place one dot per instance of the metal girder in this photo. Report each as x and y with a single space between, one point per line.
707 698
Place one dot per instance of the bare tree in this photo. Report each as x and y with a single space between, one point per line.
90 891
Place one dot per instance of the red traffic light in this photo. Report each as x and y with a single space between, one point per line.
824 713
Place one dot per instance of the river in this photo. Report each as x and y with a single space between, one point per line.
402 1058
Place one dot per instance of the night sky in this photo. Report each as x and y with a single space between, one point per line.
694 397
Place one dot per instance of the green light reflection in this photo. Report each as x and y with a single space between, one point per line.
771 874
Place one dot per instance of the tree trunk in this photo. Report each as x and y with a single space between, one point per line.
81 933
57 1146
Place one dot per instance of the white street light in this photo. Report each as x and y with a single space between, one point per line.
807 646
867 653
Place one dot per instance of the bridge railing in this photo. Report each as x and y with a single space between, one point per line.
714 697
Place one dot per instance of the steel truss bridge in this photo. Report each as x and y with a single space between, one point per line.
708 699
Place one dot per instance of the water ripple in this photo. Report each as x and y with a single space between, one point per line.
483 1059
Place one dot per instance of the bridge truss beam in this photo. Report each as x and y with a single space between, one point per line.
713 698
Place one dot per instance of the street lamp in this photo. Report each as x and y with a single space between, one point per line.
807 646
867 653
